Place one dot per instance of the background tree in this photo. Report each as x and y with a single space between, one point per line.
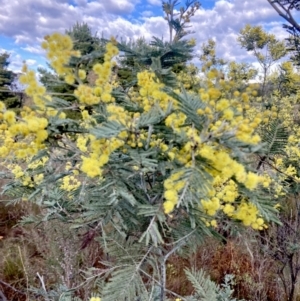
178 21
208 57
233 78
133 58
265 47
165 57
285 9
241 72
84 40
286 79
7 78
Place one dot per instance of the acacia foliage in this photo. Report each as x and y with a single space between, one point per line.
151 169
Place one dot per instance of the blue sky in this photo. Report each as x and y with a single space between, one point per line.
24 23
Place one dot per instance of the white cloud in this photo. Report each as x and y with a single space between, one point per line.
16 62
118 6
34 49
30 62
154 2
81 2
147 13
277 29
224 21
27 21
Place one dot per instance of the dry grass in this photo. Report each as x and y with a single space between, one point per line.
50 249
255 276
56 253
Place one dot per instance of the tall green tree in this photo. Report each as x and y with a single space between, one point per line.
84 40
166 58
7 77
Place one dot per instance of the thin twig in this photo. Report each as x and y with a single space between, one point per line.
150 130
26 275
183 193
42 281
182 238
12 288
282 172
167 290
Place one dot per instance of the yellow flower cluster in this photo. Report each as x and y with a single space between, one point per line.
246 129
176 121
137 140
36 179
224 197
88 120
150 91
82 74
211 206
248 214
99 151
226 111
227 167
37 163
104 73
227 191
194 138
28 126
9 117
173 185
102 91
119 114
187 77
86 95
36 91
191 148
70 183
24 176
92 167
81 143
292 148
16 170
59 51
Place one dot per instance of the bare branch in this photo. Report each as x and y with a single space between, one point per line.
286 12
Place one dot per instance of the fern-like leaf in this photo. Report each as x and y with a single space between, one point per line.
276 138
125 284
205 289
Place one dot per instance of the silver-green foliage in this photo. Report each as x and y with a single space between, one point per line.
207 290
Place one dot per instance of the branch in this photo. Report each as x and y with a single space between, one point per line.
2 297
11 287
288 16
